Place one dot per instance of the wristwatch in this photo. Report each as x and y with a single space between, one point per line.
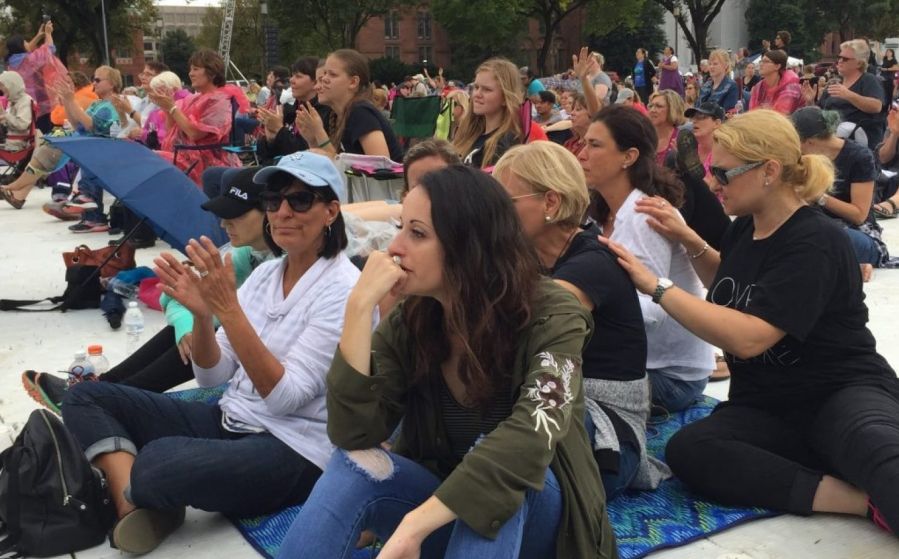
664 285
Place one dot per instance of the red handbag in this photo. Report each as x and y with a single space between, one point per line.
111 260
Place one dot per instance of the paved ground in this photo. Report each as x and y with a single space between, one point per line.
33 268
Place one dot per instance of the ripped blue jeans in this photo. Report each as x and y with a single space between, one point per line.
376 489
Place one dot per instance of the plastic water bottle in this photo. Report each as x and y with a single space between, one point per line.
80 369
97 359
134 327
738 108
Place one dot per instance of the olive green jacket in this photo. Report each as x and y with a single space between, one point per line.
545 428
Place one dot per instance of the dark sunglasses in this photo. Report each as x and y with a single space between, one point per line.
97 80
298 201
724 176
844 58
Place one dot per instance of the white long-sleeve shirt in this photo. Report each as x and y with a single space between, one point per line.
302 331
671 348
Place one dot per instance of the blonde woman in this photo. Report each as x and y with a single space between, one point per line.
720 87
812 419
547 185
493 126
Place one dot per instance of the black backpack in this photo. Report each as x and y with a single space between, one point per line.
52 501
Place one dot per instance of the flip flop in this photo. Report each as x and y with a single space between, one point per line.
881 214
7 195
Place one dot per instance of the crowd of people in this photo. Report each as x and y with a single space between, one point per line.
567 260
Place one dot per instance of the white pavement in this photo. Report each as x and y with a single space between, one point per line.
32 267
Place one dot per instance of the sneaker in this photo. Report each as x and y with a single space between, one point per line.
688 161
83 202
142 530
59 197
11 199
45 389
89 227
59 210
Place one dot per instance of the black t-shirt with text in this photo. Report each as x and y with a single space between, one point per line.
617 350
804 280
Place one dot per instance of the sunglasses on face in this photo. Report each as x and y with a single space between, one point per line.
97 80
724 176
298 201
844 58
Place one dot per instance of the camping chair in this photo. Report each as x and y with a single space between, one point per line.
16 161
230 147
415 117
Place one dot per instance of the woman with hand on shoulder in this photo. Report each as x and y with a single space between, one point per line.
481 362
619 164
811 423
354 124
551 197
493 125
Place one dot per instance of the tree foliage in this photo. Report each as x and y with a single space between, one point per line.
618 45
791 16
80 28
247 36
333 24
694 18
176 48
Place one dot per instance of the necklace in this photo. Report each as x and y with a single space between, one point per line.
565 246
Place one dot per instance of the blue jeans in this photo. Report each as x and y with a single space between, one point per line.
628 463
864 246
183 455
90 187
349 499
214 179
674 394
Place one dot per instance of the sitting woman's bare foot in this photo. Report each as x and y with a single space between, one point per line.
867 272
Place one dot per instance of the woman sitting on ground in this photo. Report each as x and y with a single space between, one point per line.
547 185
850 199
580 121
481 362
779 88
354 124
96 120
264 445
666 113
164 361
494 123
18 115
720 87
811 423
619 163
199 124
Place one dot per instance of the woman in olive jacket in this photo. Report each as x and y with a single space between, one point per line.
482 363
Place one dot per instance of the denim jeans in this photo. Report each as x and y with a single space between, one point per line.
183 455
615 483
89 186
864 246
349 499
215 177
674 394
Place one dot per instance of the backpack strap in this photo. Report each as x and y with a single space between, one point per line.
21 304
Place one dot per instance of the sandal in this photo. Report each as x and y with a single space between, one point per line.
881 213
11 199
142 530
721 372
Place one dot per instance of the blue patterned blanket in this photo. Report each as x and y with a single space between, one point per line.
644 521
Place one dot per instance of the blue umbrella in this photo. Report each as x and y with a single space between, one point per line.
149 185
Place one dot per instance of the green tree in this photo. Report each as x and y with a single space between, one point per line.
694 17
849 19
80 28
332 24
247 36
176 48
791 16
619 44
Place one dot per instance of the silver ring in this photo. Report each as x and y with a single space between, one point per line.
397 260
203 273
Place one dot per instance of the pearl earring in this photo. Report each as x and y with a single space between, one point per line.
547 219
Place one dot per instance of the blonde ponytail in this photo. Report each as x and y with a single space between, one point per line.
811 177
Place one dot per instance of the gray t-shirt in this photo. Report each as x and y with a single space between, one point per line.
604 79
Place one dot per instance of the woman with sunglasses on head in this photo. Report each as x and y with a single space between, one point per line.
354 124
812 419
263 446
619 164
96 120
481 361
849 202
547 185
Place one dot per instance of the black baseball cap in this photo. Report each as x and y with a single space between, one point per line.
239 195
709 108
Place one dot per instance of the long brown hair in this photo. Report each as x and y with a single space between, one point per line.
630 129
474 126
354 64
490 273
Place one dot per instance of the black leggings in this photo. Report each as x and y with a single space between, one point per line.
747 456
155 366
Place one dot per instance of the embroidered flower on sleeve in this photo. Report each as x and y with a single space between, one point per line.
551 392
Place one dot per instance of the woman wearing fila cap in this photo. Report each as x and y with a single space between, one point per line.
263 446
164 361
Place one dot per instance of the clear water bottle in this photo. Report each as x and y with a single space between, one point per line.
97 359
80 369
738 108
134 327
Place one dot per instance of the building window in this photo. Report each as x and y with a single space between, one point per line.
424 25
392 51
425 54
123 52
148 45
392 25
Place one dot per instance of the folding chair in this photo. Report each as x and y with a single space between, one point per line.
415 117
230 147
16 161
